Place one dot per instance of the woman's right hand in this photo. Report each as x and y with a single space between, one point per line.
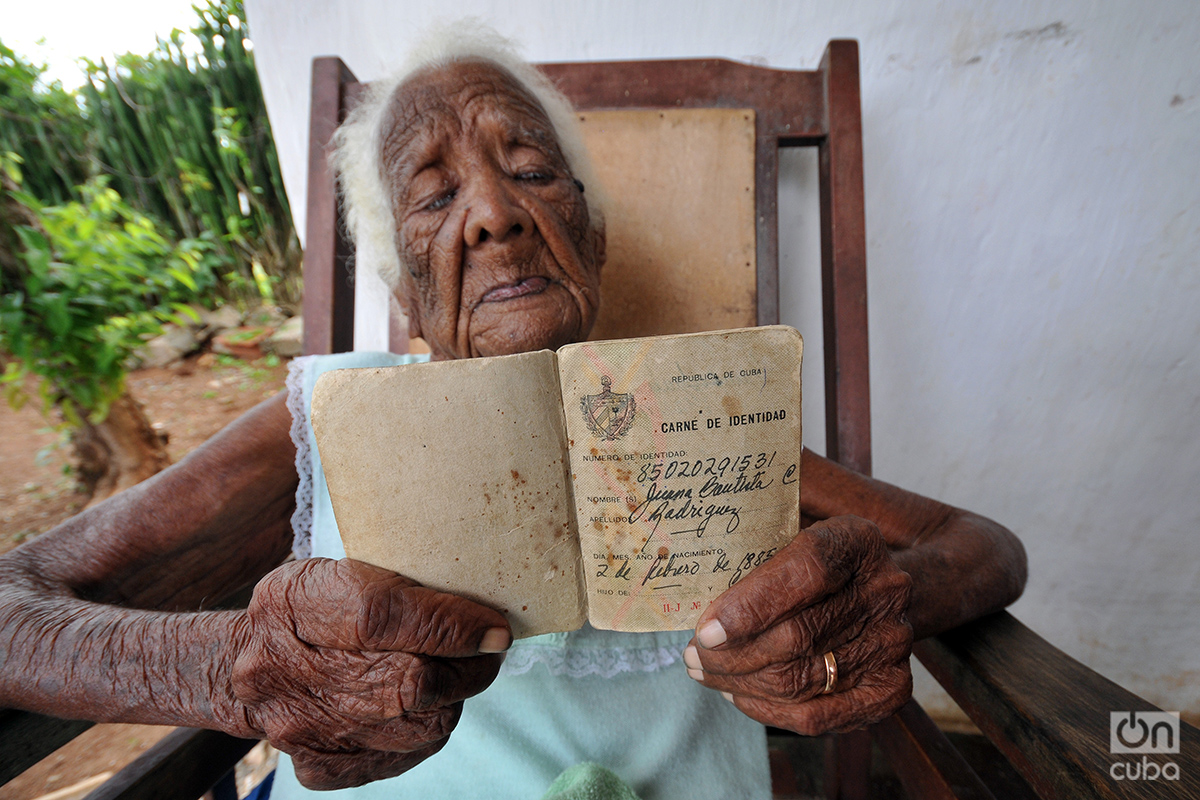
357 672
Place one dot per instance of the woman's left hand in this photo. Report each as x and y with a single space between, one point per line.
834 589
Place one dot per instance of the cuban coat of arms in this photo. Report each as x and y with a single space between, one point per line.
609 414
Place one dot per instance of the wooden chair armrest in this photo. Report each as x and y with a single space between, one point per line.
1046 712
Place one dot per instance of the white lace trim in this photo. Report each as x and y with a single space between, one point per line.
302 517
578 662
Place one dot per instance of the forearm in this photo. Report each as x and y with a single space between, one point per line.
86 623
962 565
964 568
76 659
185 538
167 546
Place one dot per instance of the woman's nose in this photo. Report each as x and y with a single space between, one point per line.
493 214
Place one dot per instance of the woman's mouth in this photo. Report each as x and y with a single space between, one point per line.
535 285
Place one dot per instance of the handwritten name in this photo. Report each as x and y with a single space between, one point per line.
740 483
679 505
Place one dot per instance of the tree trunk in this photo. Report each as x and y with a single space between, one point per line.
120 451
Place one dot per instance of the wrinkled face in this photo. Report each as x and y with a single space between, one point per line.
498 253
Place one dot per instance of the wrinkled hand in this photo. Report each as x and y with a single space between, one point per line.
357 672
833 588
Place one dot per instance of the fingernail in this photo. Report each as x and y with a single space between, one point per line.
711 634
695 674
727 696
691 657
496 640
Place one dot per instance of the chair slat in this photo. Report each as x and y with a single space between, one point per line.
927 764
789 103
185 764
328 291
28 738
844 264
848 760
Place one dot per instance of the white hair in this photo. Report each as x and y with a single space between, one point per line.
357 150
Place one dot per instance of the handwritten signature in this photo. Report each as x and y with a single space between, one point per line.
678 504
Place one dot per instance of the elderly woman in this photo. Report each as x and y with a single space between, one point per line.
467 168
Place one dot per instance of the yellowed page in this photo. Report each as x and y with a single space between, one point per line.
454 475
685 457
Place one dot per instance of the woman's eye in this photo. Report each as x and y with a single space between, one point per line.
441 201
534 176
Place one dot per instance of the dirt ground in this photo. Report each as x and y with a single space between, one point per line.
190 402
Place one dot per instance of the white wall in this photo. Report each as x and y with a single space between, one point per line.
1033 218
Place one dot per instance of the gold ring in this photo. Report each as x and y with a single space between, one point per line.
830 673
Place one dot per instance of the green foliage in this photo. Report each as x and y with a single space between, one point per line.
43 125
90 287
186 138
183 138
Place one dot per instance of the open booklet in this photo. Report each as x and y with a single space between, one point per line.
625 482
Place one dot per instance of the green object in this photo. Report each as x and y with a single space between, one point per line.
588 781
182 138
44 126
85 291
186 138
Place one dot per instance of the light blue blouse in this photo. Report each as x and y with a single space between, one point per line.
617 699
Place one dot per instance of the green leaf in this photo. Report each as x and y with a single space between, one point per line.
70 414
36 249
182 277
186 311
14 372
58 318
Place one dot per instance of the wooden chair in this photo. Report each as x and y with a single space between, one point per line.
1046 713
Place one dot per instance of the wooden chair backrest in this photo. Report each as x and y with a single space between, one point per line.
680 227
790 108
